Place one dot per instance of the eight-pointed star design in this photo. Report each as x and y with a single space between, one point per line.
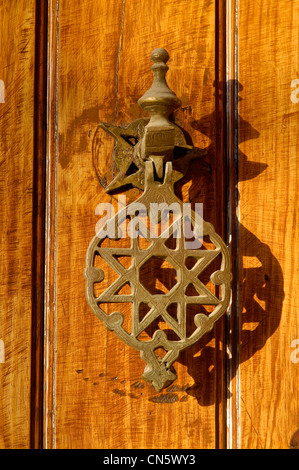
158 304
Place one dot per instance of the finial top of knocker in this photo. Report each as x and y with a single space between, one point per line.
160 55
159 100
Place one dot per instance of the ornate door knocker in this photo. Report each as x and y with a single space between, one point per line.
152 154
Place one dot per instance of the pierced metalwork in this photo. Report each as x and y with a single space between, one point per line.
151 145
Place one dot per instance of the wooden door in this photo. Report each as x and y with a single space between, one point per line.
66 382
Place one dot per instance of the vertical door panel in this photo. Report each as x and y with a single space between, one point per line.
268 229
21 221
98 68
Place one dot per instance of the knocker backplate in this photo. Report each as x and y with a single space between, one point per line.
129 163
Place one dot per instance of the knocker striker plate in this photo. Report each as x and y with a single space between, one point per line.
155 144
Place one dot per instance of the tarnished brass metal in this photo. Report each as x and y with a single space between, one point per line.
156 139
153 154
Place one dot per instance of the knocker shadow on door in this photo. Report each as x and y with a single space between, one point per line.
260 278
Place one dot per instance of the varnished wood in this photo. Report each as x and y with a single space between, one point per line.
221 213
94 394
38 225
232 237
18 398
226 57
50 230
268 230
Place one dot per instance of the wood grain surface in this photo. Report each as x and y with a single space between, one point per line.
234 65
94 395
17 148
268 123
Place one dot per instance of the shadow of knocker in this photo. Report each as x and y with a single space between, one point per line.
260 274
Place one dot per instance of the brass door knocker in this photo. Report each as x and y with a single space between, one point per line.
152 154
